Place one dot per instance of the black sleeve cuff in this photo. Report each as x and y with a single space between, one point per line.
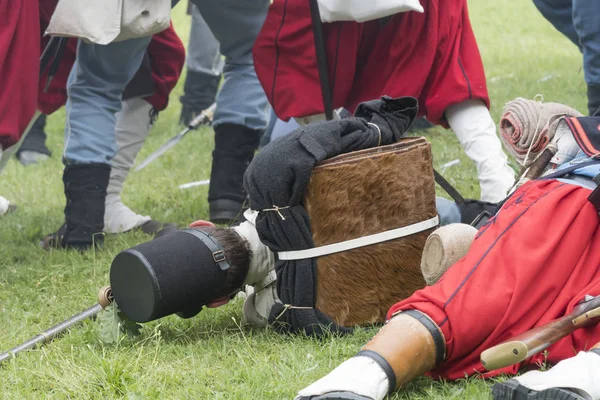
385 366
438 338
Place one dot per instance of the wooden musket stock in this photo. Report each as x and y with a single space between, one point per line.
540 338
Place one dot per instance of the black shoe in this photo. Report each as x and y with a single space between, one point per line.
512 390
153 227
234 149
226 212
11 209
85 190
33 149
200 91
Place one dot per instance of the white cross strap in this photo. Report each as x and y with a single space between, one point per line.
360 242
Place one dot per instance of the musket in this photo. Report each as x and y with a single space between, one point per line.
537 167
205 117
104 300
540 338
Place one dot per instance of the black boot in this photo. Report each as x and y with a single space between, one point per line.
200 91
234 149
33 149
85 190
593 99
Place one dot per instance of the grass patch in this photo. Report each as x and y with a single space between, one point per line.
211 356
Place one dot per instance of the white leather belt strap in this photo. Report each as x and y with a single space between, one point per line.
360 242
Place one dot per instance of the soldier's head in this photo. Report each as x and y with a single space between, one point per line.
180 271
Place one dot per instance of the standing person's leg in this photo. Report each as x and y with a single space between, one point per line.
456 93
204 69
578 21
560 14
5 205
132 128
95 88
476 131
586 20
241 114
33 149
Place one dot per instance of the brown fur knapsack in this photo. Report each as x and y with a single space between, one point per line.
363 193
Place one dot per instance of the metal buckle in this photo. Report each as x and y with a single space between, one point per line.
219 256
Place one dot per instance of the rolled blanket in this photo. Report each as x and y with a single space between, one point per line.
443 248
529 125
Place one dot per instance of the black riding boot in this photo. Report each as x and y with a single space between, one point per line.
594 99
85 190
33 149
234 149
200 91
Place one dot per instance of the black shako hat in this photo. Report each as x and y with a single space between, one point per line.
176 273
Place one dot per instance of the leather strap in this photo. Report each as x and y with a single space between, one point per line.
360 242
594 198
385 366
451 190
317 29
438 338
218 254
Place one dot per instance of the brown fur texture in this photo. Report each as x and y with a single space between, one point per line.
364 193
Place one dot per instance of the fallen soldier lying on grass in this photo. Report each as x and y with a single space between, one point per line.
532 263
356 204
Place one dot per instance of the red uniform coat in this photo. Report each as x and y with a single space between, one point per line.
529 265
432 56
19 67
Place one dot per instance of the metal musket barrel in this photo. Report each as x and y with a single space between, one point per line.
104 300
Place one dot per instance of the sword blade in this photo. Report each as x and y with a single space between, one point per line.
205 117
162 150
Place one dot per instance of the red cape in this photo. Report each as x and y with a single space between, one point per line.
19 67
432 56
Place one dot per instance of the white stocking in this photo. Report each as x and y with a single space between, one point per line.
133 125
476 131
358 375
4 156
3 205
580 373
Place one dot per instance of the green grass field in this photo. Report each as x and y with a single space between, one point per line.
211 356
